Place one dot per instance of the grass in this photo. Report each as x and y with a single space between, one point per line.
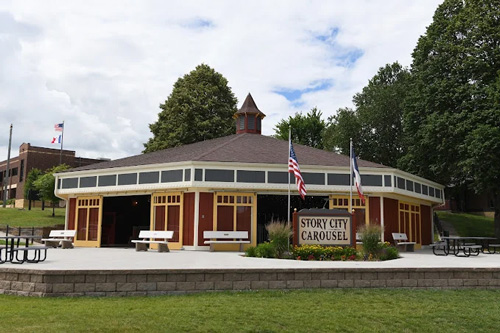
354 310
469 224
36 217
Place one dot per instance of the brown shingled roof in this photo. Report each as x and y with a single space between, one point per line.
243 148
250 107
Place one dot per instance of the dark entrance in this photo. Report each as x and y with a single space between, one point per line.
273 208
123 217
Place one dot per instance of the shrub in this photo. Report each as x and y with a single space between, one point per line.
279 236
318 252
370 237
265 250
389 253
251 251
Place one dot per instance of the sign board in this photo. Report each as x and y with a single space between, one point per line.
330 227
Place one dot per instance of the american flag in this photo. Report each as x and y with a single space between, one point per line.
59 127
293 167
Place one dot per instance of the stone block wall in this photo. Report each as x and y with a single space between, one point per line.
160 282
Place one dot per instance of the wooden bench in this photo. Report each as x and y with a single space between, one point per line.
60 237
401 242
153 237
226 237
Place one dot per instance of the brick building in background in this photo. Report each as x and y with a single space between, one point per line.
31 157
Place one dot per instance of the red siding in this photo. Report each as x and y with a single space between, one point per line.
71 214
374 211
188 220
390 218
206 217
425 217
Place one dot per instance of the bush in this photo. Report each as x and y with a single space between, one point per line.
265 250
318 252
370 237
389 253
251 251
279 236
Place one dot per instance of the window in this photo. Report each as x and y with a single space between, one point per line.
251 121
235 212
242 122
21 175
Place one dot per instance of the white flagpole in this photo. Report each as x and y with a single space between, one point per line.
287 170
62 140
350 175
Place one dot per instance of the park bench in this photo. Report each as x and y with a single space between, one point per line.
494 247
60 237
401 242
226 237
153 237
359 239
37 254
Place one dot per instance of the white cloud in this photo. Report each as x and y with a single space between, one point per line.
105 66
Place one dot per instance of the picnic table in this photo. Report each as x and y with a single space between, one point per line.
456 245
17 252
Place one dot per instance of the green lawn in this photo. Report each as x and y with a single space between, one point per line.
36 217
354 310
469 224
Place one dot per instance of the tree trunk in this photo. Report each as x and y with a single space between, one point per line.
53 210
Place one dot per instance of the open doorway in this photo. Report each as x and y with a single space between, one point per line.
123 218
274 208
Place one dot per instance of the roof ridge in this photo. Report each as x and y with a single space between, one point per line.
224 143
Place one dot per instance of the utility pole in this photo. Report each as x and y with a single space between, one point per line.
6 178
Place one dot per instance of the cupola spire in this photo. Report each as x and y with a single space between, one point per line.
249 117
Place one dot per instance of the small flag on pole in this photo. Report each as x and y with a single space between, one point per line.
293 167
59 127
357 176
56 139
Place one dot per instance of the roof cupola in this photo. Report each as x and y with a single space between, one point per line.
249 117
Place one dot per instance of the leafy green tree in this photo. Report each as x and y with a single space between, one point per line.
200 107
306 129
376 123
30 191
379 108
340 128
453 95
46 185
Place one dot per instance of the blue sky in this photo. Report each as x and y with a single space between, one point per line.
105 66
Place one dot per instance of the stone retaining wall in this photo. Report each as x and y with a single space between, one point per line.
159 282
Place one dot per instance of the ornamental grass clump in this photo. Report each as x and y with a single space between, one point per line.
370 237
279 236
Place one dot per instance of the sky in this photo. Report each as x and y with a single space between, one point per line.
104 67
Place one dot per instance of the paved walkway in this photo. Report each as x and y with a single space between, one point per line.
129 259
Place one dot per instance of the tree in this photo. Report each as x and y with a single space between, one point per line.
379 108
45 185
200 107
30 191
306 129
376 123
454 95
340 129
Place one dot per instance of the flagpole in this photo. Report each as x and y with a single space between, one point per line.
62 140
350 175
7 173
288 170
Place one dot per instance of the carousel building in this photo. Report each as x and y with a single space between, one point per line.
239 183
